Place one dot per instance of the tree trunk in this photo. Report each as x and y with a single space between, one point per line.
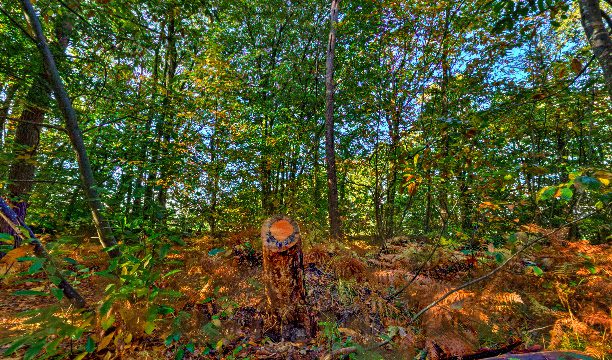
283 275
105 232
150 178
166 128
6 109
25 146
444 169
597 35
330 153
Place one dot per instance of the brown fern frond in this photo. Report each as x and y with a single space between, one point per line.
348 267
318 255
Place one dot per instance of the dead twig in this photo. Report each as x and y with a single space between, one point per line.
340 352
494 271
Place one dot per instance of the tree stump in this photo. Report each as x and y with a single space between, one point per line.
283 273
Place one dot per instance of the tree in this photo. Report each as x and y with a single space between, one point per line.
105 232
598 37
330 152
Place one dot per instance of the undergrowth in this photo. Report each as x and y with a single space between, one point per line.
196 298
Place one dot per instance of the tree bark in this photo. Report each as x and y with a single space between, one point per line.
6 109
283 275
597 35
105 232
165 126
25 145
330 153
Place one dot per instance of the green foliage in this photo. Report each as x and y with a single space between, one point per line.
52 327
334 339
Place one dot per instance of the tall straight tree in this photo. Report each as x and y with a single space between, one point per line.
105 232
330 152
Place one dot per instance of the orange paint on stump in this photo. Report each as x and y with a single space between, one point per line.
281 230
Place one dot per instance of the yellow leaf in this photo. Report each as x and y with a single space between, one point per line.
107 339
416 159
128 338
604 181
14 254
81 356
219 345
347 331
216 322
412 188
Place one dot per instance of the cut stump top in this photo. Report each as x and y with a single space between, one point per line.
279 233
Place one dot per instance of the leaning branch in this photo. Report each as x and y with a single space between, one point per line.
105 232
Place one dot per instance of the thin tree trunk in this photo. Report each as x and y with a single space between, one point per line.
330 153
597 35
166 124
6 109
444 171
105 232
151 176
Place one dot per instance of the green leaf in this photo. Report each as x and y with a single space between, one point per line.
6 238
180 354
30 292
90 346
70 261
513 238
566 194
34 350
537 270
36 266
216 251
27 258
177 240
190 347
589 182
107 322
149 326
163 251
164 310
547 193
16 345
170 273
58 293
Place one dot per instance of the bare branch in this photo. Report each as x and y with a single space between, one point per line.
494 271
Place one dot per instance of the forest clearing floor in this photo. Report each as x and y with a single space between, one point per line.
554 296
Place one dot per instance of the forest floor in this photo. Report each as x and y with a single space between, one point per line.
554 296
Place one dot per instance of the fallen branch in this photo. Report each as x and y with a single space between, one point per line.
487 353
339 352
494 271
9 216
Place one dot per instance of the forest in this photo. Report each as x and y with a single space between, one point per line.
305 179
